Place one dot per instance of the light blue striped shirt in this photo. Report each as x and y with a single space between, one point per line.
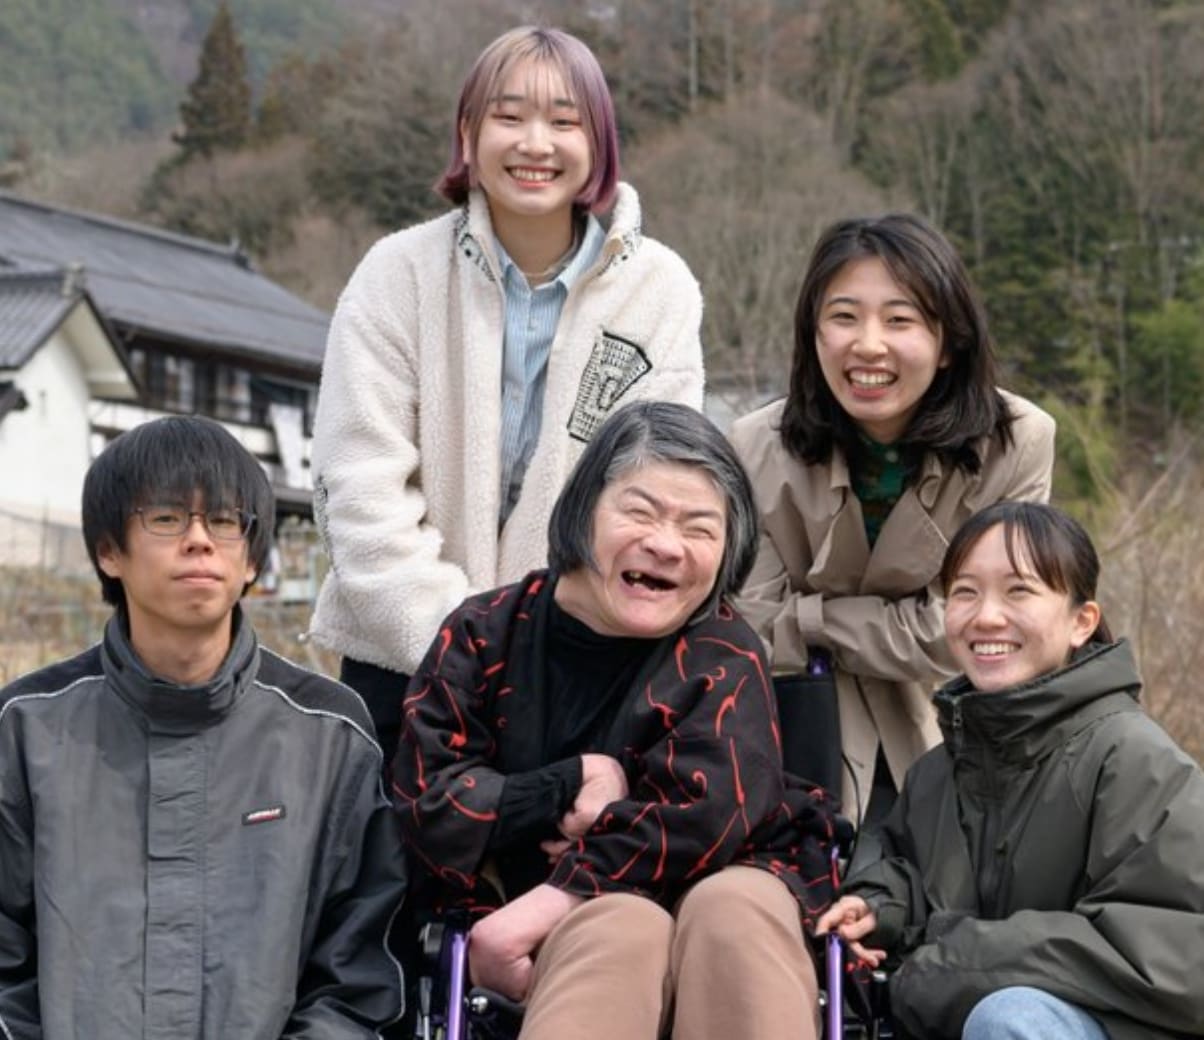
531 319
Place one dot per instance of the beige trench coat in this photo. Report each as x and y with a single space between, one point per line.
880 613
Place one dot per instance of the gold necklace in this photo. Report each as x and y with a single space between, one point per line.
556 266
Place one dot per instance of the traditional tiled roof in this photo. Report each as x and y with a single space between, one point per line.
32 306
167 285
34 303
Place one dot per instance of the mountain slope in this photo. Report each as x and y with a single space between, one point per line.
79 72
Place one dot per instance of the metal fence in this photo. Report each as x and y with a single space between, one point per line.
51 608
27 541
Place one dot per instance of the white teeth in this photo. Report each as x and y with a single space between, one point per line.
532 175
871 378
993 649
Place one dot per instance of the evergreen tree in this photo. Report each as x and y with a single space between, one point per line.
217 112
941 53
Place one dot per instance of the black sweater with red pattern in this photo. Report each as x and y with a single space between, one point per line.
697 735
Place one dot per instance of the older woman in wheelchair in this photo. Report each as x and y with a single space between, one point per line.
590 764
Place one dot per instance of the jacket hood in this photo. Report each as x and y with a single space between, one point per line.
1025 722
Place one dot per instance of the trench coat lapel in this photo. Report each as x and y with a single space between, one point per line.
908 553
844 551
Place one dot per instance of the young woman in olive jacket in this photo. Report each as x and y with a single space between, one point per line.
1043 871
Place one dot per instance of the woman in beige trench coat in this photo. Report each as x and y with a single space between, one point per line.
893 433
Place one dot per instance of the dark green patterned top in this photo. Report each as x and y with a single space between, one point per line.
879 475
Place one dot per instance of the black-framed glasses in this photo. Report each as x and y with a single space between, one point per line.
228 525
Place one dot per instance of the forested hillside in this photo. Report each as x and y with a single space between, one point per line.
78 72
71 67
1059 143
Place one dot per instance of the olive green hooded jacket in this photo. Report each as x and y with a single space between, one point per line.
1056 840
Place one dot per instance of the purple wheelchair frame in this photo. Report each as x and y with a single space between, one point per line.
457 1027
458 1010
834 963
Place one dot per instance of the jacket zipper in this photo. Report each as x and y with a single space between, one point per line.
993 849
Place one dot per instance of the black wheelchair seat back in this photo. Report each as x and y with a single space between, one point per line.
810 728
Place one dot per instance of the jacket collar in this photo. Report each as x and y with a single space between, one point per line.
168 707
588 249
1026 722
474 232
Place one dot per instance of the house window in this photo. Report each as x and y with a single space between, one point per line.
179 392
170 381
232 394
299 395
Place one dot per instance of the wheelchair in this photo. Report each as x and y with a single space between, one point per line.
450 1008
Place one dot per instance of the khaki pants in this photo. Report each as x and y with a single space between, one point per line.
730 963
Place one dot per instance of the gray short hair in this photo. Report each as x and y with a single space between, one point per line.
636 435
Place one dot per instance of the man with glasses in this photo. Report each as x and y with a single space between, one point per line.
194 841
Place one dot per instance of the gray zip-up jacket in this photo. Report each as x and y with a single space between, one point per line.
1055 840
217 861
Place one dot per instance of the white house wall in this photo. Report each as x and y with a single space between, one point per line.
44 453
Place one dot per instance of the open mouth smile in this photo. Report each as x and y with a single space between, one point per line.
532 176
995 649
872 380
648 581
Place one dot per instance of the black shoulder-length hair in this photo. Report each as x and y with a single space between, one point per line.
166 462
961 406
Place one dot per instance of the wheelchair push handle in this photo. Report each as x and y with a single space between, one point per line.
819 661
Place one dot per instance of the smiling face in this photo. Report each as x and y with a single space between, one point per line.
179 588
659 535
532 154
876 349
1004 625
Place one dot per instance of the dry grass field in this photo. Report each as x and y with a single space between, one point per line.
44 618
1153 593
1152 590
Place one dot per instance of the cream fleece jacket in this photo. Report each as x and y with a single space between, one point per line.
406 450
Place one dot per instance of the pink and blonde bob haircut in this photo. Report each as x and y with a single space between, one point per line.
581 73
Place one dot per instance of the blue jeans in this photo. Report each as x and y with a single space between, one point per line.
1025 1013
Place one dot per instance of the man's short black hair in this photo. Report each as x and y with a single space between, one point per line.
166 462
